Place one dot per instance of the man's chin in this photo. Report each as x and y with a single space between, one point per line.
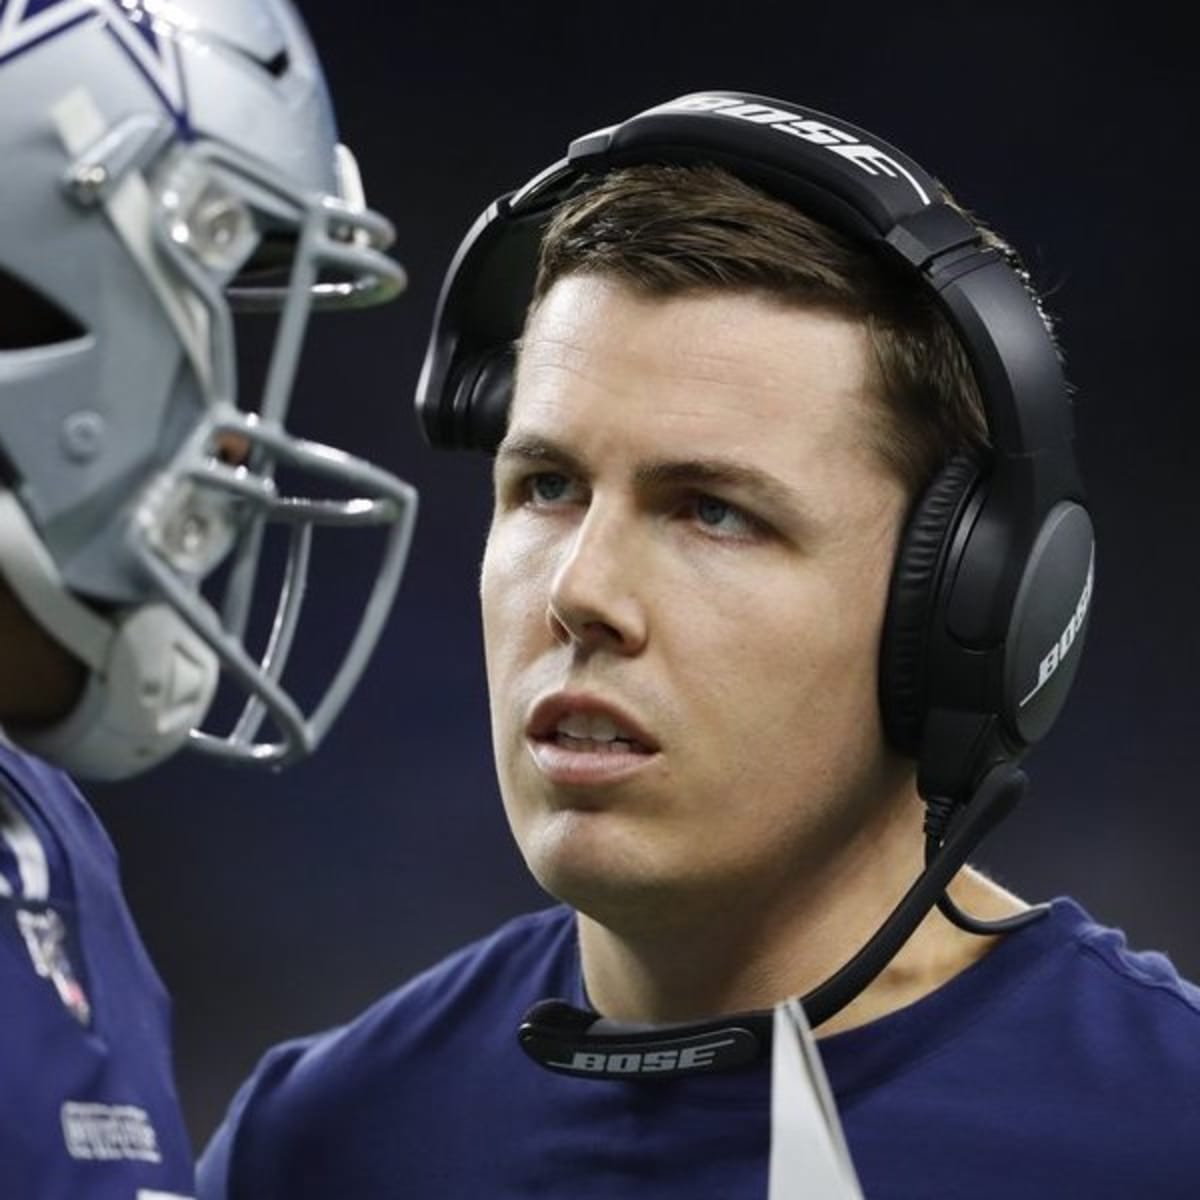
615 876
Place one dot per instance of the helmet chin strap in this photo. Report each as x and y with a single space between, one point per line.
151 679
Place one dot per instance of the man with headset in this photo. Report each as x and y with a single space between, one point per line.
789 564
163 166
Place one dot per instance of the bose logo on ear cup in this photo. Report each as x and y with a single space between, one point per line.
863 155
1066 639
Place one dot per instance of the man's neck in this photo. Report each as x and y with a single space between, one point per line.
692 964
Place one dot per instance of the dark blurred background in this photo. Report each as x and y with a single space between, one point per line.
276 905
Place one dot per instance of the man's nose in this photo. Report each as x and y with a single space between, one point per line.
596 596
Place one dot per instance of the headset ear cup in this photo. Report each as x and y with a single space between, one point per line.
480 400
911 601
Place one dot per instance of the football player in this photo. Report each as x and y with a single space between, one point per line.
165 166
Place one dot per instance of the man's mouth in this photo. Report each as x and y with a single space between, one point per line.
579 740
594 733
572 727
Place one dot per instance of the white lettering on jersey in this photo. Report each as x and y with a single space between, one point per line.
104 1132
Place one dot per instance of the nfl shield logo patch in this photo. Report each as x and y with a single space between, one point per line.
46 940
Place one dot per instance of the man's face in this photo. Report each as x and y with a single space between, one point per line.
683 590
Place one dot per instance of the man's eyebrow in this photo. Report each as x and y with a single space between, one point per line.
720 472
690 472
541 448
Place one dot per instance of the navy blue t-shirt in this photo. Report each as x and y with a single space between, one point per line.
88 1109
1059 1065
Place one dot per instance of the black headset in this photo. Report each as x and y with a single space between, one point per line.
992 584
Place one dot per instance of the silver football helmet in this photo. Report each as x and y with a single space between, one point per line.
163 164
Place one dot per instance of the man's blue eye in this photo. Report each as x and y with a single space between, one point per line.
711 511
548 485
721 517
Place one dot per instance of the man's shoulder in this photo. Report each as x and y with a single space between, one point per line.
1089 972
1064 1000
1083 1051
1080 991
383 1066
486 984
1134 1001
1144 971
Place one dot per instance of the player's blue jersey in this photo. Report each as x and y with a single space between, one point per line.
88 1109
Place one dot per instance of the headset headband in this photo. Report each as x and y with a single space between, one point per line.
844 176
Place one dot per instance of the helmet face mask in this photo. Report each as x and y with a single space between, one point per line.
147 225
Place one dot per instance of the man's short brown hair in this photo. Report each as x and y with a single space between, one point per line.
668 230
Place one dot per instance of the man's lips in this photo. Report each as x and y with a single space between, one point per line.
587 724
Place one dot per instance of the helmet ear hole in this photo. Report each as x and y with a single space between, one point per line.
28 319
